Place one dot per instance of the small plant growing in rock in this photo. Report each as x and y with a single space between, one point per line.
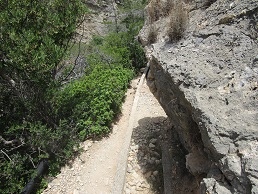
154 10
207 3
152 34
167 6
178 19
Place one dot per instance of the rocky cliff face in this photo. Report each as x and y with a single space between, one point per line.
207 83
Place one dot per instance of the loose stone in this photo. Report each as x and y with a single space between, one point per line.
129 168
151 145
153 141
148 174
131 183
155 173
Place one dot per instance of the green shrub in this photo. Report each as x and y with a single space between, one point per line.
94 100
42 118
34 37
35 141
120 48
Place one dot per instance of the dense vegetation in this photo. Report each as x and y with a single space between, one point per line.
41 118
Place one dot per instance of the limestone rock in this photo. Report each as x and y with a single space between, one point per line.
210 186
197 163
75 191
207 84
151 145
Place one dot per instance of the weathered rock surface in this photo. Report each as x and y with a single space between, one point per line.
97 22
207 84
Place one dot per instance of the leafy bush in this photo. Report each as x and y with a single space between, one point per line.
34 36
39 117
93 101
120 48
34 142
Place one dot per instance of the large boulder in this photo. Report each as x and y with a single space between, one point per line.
207 82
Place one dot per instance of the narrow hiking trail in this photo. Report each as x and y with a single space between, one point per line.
102 167
144 167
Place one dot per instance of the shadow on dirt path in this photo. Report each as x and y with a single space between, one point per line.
156 162
144 172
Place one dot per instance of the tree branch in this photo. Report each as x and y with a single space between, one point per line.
8 79
7 156
77 57
8 142
31 161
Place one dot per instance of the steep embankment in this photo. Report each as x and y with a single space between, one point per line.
207 84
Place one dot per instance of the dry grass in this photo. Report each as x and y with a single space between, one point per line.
207 3
167 7
178 19
154 10
152 34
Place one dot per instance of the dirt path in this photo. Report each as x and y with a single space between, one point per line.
95 171
144 168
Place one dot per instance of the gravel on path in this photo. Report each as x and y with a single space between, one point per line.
94 171
144 168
